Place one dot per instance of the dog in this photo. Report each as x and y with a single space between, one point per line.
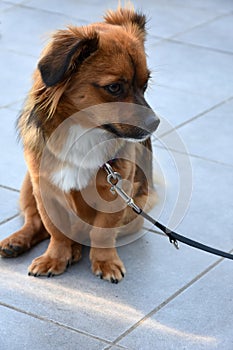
81 71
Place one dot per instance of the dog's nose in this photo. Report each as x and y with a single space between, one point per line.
151 122
150 119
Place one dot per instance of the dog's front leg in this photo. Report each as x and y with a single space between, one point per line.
103 255
61 251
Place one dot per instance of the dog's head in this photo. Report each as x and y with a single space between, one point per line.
103 63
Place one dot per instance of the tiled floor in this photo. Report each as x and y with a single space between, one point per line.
169 299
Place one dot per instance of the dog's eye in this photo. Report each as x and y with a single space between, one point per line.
114 89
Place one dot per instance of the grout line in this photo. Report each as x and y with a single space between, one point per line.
168 300
186 43
157 232
9 219
109 347
194 156
13 4
27 5
197 116
173 38
56 323
177 88
222 15
21 53
10 188
11 106
177 41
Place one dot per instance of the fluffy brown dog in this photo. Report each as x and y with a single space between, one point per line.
103 63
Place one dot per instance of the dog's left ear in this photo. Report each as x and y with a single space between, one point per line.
65 53
127 17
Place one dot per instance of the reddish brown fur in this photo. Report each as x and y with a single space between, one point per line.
122 31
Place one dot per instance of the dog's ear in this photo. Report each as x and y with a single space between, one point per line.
126 17
65 53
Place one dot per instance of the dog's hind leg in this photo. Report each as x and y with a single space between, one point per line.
33 230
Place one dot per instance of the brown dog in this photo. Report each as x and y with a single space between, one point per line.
103 64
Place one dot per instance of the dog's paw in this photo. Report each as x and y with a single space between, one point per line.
44 265
76 252
12 247
110 270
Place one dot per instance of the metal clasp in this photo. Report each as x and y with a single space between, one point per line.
171 239
174 242
115 180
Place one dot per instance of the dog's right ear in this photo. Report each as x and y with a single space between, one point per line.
125 17
65 53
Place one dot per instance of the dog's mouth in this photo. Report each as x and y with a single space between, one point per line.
125 131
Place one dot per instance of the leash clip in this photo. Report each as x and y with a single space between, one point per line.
174 242
171 239
115 180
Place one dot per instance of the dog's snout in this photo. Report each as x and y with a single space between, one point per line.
151 121
148 116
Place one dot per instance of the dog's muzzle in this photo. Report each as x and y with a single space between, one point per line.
151 122
142 127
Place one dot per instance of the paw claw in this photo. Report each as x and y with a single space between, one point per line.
7 252
69 263
16 248
113 280
11 248
112 271
47 266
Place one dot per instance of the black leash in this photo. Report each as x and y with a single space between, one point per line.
114 179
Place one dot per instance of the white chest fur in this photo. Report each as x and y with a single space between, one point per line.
82 153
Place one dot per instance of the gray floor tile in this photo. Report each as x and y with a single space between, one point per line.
20 332
192 69
163 18
5 6
8 204
166 20
16 71
209 136
199 318
31 37
117 348
201 202
17 106
217 34
215 5
17 2
85 11
12 163
82 301
175 106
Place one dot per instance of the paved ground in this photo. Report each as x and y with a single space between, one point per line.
169 299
